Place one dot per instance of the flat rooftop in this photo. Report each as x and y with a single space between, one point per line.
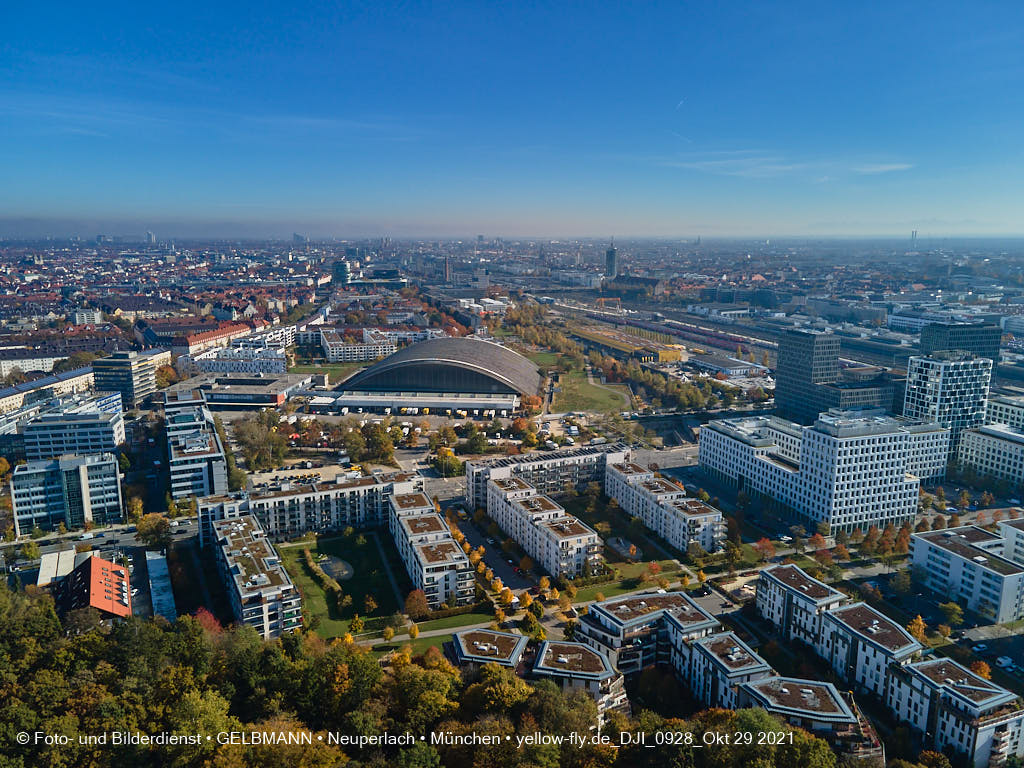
631 468
732 652
794 578
874 626
512 484
418 525
659 486
571 659
537 504
626 609
947 673
808 696
406 501
252 560
965 542
441 552
536 457
490 646
693 507
568 527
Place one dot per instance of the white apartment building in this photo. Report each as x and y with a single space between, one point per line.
665 508
234 360
73 490
86 317
995 450
549 471
809 704
290 509
261 593
975 567
850 470
195 456
337 350
1005 409
574 666
957 709
719 665
435 561
861 644
274 337
795 603
400 336
638 631
949 388
558 542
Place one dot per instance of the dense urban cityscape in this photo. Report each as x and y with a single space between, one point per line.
512 385
644 482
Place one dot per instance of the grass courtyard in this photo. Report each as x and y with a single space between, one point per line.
369 578
336 371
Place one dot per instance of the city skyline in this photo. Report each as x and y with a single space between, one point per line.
347 122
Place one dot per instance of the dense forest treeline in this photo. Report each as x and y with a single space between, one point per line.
194 677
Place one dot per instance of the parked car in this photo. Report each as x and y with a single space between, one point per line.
979 648
1004 661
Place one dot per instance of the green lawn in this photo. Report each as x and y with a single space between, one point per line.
337 371
451 622
544 359
629 581
578 394
370 578
419 645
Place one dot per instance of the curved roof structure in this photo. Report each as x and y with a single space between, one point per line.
451 365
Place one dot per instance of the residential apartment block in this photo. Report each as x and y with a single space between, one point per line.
290 509
261 593
435 561
794 602
234 360
73 490
195 456
638 631
861 644
809 704
849 470
959 710
338 350
719 664
982 570
558 542
549 472
664 507
574 666
995 451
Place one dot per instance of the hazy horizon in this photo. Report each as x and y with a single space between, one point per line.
713 120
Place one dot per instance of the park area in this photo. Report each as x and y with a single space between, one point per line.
368 577
578 394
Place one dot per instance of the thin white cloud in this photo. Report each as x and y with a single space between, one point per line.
873 169
746 163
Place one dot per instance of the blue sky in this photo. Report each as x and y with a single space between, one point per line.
514 118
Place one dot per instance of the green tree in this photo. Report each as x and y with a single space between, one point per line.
954 613
154 530
30 550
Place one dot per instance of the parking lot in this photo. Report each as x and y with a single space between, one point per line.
495 557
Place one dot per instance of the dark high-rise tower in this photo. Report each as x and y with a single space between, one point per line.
806 359
981 339
611 263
